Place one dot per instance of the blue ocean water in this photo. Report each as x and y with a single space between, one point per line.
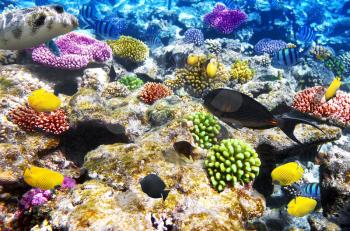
298 50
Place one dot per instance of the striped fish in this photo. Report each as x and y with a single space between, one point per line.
312 190
306 34
231 4
89 14
109 29
287 57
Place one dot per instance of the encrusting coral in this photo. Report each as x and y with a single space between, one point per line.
232 161
241 71
204 128
151 92
129 49
195 78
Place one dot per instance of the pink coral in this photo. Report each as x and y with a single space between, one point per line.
28 119
337 108
76 52
35 197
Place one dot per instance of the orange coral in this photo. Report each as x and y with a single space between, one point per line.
154 91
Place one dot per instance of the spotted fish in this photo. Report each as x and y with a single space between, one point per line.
26 28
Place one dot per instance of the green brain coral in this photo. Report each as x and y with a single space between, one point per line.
131 82
129 48
232 161
205 129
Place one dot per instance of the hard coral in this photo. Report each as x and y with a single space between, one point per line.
129 49
241 71
194 36
76 52
28 119
131 82
337 108
269 46
205 129
335 65
232 161
225 20
151 92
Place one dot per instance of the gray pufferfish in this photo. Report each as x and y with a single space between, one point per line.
26 28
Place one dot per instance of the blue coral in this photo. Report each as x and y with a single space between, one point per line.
269 46
194 36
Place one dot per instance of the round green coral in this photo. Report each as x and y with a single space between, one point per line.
205 129
131 82
232 161
129 48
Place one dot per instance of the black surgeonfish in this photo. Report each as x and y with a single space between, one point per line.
235 108
154 186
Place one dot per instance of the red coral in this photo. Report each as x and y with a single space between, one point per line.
337 108
154 91
28 119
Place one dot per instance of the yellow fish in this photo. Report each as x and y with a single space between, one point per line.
43 101
212 68
192 59
287 174
42 178
332 89
301 206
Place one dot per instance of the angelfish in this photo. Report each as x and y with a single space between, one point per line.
30 27
236 108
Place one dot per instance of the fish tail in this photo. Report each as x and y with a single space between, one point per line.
287 124
165 194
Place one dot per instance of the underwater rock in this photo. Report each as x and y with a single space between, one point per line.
335 187
8 57
94 78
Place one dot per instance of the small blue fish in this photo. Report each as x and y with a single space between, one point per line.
312 190
110 29
306 34
287 57
89 14
53 47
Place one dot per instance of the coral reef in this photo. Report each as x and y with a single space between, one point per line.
241 71
232 161
336 109
129 49
321 53
204 128
194 36
35 197
225 20
115 89
335 65
345 59
54 122
154 91
76 52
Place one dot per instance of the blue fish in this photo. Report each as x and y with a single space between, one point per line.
89 14
287 57
53 47
110 29
312 190
306 34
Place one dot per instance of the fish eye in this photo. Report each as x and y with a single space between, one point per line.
40 21
59 9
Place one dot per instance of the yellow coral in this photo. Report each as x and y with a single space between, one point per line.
129 48
43 101
241 71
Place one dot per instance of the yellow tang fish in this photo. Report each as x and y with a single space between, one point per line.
193 59
43 101
42 178
212 68
287 174
301 206
332 89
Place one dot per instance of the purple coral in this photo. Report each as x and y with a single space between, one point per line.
76 52
68 182
269 46
194 36
225 20
35 197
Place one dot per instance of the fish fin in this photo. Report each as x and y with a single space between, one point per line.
165 194
53 47
288 121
